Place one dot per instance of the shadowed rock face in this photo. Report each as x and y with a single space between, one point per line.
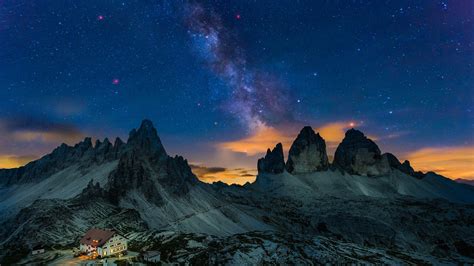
404 167
273 162
145 166
308 153
146 141
92 191
359 155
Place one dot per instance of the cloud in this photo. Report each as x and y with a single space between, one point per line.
28 129
33 136
267 137
200 170
264 137
230 176
453 162
333 133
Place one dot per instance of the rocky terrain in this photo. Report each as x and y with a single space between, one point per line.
364 207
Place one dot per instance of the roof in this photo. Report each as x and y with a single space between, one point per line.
96 237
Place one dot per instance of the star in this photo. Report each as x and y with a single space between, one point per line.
100 17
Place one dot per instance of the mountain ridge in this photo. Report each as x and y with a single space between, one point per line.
368 198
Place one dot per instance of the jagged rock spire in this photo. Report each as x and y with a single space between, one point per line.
146 140
145 166
273 162
307 153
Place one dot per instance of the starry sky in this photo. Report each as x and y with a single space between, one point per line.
224 80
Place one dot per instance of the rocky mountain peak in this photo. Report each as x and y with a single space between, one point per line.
84 145
144 166
118 142
273 162
359 155
307 153
146 140
354 134
404 167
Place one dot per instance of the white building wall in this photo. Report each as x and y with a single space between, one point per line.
114 245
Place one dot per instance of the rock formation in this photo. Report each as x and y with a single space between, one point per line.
145 166
359 155
404 167
81 154
308 153
145 140
91 191
273 162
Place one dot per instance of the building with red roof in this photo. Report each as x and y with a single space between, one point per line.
102 243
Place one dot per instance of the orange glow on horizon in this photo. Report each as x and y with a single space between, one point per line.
238 176
452 162
11 161
333 133
231 176
264 138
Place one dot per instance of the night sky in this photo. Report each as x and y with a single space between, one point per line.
224 80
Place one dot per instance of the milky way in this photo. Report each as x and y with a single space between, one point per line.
210 73
257 98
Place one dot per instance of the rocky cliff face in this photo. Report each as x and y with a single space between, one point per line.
91 192
273 162
359 155
144 166
145 141
308 153
404 167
